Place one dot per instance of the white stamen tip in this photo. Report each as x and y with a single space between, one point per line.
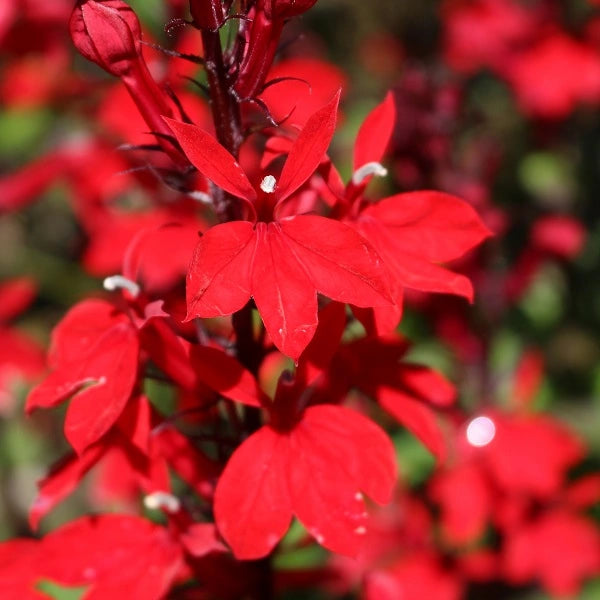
317 535
201 197
157 500
118 282
360 530
371 168
481 431
268 184
358 496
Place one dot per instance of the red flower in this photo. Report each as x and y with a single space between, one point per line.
559 549
112 556
412 232
552 77
283 263
315 469
94 357
21 358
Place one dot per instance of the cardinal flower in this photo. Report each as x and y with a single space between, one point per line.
412 232
21 358
314 466
281 262
95 358
112 556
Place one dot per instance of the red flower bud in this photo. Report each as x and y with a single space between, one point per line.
207 14
286 9
107 32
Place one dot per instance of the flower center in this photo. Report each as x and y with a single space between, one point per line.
367 170
268 184
118 282
157 500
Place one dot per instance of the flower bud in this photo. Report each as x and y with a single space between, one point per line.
207 14
286 9
107 32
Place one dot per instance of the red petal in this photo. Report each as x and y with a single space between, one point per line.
532 454
527 379
108 365
585 492
212 159
560 235
169 353
560 549
201 539
381 320
93 411
428 385
432 225
15 296
370 456
293 98
188 462
416 417
340 263
252 501
18 561
336 453
375 133
218 282
61 481
134 423
77 330
416 576
319 353
93 551
22 187
466 500
285 296
193 365
408 267
225 375
309 149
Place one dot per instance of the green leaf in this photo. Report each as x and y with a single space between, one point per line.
549 177
59 592
22 131
417 462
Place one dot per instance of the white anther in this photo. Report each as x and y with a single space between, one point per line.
361 530
371 168
201 197
157 500
268 184
118 282
481 431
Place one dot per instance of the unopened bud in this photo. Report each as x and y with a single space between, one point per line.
286 9
207 14
107 32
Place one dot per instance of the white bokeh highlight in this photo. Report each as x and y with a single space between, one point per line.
481 431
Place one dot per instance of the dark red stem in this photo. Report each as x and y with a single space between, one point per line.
226 116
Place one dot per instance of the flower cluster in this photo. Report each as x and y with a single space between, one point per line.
237 385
